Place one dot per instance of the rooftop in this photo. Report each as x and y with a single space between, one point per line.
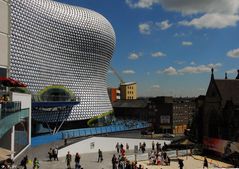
228 89
131 103
127 83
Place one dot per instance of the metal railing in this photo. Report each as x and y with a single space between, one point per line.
8 108
12 119
54 98
67 134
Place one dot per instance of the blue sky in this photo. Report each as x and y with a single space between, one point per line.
168 46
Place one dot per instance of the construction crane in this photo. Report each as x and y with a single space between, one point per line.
117 75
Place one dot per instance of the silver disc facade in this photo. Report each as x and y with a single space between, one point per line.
57 44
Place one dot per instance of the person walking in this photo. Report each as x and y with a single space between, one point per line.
24 162
100 156
114 162
157 147
77 161
180 163
127 146
55 153
68 160
205 163
36 163
153 145
50 154
117 147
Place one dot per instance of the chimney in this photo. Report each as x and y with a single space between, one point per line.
237 74
225 75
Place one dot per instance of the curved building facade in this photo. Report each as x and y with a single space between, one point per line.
57 44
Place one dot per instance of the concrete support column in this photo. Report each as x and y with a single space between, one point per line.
12 141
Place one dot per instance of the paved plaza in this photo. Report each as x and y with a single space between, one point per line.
89 160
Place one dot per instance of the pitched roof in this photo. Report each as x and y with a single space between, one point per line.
228 89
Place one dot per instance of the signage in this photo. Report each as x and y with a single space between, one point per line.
224 147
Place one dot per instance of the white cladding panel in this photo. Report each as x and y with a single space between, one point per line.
4 15
4 49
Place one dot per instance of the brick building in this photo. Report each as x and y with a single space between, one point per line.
167 114
114 94
171 115
216 123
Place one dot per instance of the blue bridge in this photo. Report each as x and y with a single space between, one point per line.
118 126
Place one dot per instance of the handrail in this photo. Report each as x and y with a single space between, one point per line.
67 134
12 119
8 108
37 98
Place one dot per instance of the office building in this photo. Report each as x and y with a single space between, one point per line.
171 115
15 108
128 91
114 94
166 114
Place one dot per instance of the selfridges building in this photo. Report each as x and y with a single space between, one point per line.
57 44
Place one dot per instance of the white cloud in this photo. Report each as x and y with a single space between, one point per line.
134 56
190 69
128 71
212 21
231 71
158 54
145 28
163 25
233 53
187 43
188 7
200 68
192 63
170 71
141 3
155 87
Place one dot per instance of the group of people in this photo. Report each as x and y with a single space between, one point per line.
142 147
6 164
159 158
77 160
25 161
120 147
157 147
121 162
53 153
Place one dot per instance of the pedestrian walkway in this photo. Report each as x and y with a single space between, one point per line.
89 161
92 145
107 145
190 162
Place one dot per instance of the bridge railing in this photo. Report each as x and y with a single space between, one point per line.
67 134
